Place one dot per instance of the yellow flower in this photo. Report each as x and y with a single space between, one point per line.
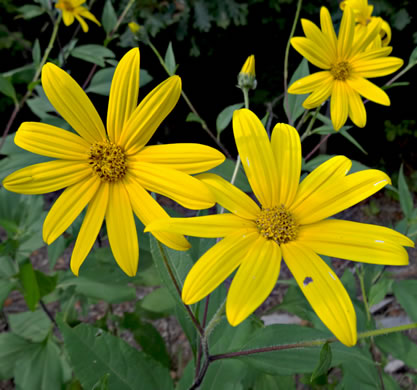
347 64
134 27
291 222
246 77
364 18
111 171
73 9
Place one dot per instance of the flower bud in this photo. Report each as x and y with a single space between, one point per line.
246 78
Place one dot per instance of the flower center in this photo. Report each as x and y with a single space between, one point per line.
107 160
66 5
277 224
341 70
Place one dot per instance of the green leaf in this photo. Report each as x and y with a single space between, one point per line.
324 364
274 382
144 78
225 117
6 286
46 283
95 353
36 53
379 290
413 57
95 54
32 326
406 199
101 82
159 300
30 11
109 17
191 117
406 293
295 102
170 60
399 346
55 250
6 88
30 286
103 383
401 19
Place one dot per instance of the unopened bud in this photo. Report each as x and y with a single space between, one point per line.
134 27
246 78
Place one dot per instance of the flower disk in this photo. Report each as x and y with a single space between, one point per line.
277 224
341 70
107 161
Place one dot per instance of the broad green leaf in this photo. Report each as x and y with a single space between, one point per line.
95 54
6 88
95 353
7 282
109 17
46 283
55 250
406 199
101 82
144 78
406 293
273 382
399 346
30 286
170 60
324 364
379 290
295 102
41 369
158 300
6 286
413 57
30 11
103 383
225 117
32 326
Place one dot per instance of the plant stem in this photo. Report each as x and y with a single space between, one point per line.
287 50
310 125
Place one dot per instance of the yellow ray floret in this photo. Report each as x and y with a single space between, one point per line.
73 9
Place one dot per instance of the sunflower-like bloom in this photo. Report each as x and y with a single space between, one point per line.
290 223
347 62
363 17
111 171
73 9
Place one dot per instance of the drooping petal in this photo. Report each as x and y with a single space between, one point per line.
68 206
324 175
356 241
255 152
188 158
179 186
339 104
319 96
83 24
254 280
216 265
368 90
343 193
323 290
357 112
327 28
311 82
121 229
47 177
210 226
230 197
372 30
377 67
90 227
88 15
67 17
124 93
51 141
72 103
148 209
313 33
149 114
311 51
346 34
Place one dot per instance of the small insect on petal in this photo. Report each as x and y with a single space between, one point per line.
307 281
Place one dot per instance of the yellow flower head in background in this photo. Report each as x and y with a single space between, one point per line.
73 9
246 77
111 170
364 20
134 27
347 62
292 222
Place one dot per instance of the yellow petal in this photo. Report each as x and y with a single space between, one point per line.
320 95
314 34
357 111
124 93
327 27
121 229
83 24
183 188
372 30
286 147
311 82
324 175
346 34
356 241
46 177
148 210
67 17
343 192
310 51
339 104
230 197
377 67
149 114
254 280
188 158
368 90
88 15
72 103
323 290
90 227
216 265
365 56
68 206
255 152
51 141
210 226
